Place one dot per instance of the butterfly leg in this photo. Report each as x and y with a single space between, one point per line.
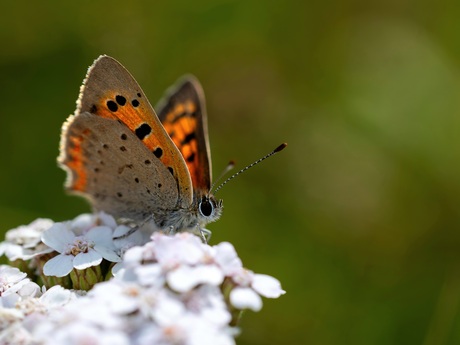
171 231
205 235
128 233
135 227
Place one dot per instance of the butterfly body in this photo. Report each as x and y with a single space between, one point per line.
133 164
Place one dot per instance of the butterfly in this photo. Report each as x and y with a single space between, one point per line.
134 164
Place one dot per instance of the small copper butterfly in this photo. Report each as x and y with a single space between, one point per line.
132 163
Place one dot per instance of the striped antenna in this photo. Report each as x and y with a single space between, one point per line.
229 167
278 149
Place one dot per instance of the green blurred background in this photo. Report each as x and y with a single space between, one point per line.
358 217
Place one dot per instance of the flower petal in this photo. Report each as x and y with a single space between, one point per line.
100 235
82 223
10 275
182 248
107 220
9 300
85 260
245 298
185 278
107 253
227 258
168 309
58 237
59 266
150 274
30 289
267 286
56 296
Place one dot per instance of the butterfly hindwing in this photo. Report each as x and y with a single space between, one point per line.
183 114
108 166
110 92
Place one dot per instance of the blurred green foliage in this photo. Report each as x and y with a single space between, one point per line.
358 217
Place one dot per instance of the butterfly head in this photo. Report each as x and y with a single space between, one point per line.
209 208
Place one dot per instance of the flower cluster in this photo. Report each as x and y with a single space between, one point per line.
164 289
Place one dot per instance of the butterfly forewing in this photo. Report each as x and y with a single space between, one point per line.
183 114
110 92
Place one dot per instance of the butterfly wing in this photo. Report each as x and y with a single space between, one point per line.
119 109
108 165
183 114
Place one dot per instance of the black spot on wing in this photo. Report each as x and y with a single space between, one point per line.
143 130
183 114
188 138
112 106
191 158
120 100
158 152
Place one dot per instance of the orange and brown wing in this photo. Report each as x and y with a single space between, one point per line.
183 114
109 91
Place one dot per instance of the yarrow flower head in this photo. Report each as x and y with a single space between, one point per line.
166 289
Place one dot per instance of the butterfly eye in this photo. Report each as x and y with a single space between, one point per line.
206 207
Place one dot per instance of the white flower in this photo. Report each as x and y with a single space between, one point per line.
14 285
15 333
175 324
24 242
250 286
9 278
80 333
85 222
125 294
208 302
78 252
88 309
149 275
173 251
185 278
226 257
167 309
55 297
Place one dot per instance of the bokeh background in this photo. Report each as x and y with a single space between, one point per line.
358 217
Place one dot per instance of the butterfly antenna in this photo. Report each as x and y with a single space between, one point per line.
229 167
278 149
